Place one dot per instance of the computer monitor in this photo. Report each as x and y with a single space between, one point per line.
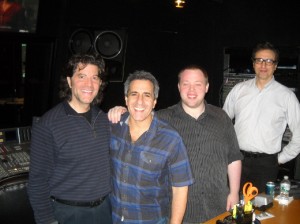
19 16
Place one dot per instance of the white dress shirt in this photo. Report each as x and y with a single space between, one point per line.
261 117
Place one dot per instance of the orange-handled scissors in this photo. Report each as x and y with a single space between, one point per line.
249 192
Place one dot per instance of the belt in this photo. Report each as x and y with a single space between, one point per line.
80 203
255 154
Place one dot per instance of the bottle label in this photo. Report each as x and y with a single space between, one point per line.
285 187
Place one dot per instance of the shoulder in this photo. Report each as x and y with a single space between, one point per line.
167 111
282 87
164 128
245 84
43 125
216 113
97 111
283 91
239 88
53 113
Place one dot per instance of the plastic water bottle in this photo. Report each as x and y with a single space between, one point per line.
285 186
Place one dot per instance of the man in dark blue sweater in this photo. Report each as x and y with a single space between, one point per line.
69 177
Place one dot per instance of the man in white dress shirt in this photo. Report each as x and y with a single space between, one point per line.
261 109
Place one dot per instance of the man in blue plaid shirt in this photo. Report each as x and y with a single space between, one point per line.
151 169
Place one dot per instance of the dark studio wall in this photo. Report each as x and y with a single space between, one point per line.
245 23
159 38
40 66
163 39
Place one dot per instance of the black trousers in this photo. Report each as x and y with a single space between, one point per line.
66 214
259 170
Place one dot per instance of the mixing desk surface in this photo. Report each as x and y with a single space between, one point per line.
14 151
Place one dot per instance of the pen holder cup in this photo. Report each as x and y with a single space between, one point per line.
243 217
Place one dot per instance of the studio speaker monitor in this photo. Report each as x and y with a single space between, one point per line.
110 44
81 41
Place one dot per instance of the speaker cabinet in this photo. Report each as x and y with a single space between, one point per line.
110 44
81 41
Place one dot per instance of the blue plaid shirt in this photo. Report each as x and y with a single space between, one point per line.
145 171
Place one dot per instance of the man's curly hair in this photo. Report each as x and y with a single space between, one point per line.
71 67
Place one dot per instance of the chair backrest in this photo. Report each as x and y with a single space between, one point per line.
14 203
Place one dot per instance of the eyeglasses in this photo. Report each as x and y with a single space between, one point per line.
268 61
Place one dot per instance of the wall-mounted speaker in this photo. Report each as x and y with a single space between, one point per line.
110 44
81 41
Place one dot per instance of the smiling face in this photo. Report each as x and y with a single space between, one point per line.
84 84
140 101
192 88
264 71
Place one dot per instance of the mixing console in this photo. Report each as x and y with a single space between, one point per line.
14 151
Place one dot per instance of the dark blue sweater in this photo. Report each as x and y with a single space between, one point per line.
69 159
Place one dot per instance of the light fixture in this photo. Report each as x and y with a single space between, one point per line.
179 3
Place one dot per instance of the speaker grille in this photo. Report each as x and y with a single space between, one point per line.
81 41
108 44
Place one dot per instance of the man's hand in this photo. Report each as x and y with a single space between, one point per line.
114 114
232 199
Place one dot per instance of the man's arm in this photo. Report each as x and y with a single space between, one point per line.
114 114
292 149
41 162
234 175
229 103
179 201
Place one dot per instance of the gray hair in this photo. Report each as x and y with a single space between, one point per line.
141 75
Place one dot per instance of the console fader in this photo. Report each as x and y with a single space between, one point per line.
14 151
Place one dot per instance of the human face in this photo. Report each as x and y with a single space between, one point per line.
263 71
140 101
192 88
84 84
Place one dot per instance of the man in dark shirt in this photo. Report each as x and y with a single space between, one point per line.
69 177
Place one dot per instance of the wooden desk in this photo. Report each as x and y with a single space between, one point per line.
284 214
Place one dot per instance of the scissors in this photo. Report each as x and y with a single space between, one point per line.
249 192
